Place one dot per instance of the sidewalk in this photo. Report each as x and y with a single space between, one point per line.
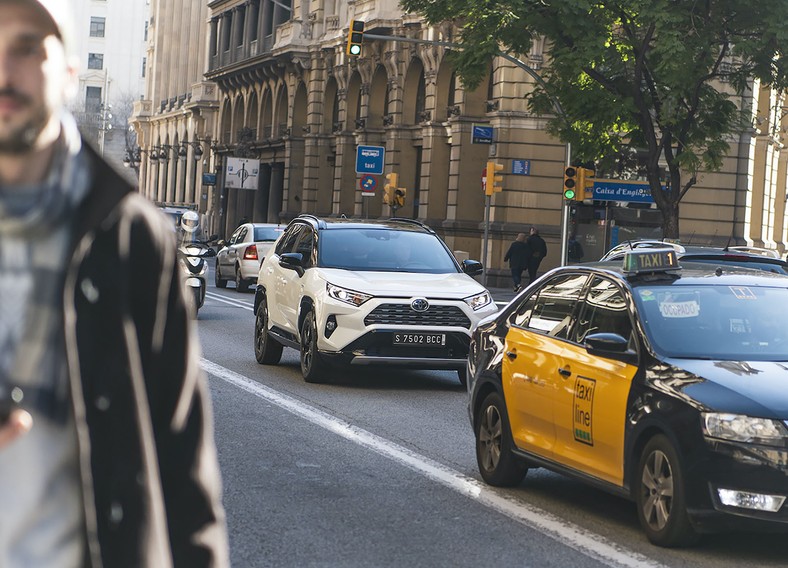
502 295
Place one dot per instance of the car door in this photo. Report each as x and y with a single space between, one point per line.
224 257
533 361
293 288
236 246
286 279
275 277
590 408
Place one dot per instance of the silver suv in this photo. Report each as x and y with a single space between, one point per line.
359 292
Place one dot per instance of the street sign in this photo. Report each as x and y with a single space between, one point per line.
242 173
623 190
481 134
484 180
370 160
209 179
521 167
368 184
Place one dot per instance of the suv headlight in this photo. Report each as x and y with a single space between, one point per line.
738 428
478 301
348 296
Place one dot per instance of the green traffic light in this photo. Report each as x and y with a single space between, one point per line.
355 50
569 194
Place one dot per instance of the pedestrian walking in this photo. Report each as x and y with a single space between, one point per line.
538 250
518 255
107 455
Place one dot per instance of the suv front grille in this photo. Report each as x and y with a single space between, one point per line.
402 314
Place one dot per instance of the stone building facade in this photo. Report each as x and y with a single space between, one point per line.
287 94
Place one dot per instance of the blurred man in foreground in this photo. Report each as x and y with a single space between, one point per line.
107 456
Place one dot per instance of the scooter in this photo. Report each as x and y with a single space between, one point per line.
192 259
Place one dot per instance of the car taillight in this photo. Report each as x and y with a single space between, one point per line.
250 253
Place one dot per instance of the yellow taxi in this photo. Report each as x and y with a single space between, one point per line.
662 383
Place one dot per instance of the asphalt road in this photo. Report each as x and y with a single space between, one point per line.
378 469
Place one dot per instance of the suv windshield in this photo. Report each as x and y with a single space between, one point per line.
384 250
267 233
730 323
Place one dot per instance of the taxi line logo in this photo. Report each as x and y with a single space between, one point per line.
583 410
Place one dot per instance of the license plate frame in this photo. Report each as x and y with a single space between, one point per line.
418 339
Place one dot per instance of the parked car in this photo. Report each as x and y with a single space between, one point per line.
660 382
239 258
751 257
347 292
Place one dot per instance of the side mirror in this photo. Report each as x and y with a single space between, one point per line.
472 267
293 261
611 346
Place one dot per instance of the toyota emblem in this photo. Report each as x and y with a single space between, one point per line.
420 305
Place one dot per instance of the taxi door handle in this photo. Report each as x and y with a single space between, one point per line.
564 372
512 355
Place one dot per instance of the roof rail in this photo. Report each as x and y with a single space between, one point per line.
413 222
321 224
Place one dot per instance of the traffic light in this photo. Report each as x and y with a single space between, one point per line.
399 196
355 36
493 183
585 186
389 188
571 182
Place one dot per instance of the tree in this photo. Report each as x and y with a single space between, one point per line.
662 76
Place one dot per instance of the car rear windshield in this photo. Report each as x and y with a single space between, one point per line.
384 250
757 262
731 323
267 233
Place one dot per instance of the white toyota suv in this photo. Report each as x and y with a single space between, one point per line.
361 292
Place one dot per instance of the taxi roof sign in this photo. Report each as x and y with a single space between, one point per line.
650 260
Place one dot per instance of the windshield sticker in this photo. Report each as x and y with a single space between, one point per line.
743 293
689 309
739 325
583 410
647 295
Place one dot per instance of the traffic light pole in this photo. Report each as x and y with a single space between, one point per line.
565 212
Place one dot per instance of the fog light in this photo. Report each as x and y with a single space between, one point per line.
755 501
331 325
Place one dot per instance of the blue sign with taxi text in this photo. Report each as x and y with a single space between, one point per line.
370 160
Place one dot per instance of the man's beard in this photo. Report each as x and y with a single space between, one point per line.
22 139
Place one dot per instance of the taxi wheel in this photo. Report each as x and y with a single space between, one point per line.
497 462
240 284
311 362
220 282
267 350
661 497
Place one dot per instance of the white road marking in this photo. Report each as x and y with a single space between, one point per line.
236 303
569 534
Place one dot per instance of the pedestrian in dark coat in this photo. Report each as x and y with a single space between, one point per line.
518 256
538 250
107 456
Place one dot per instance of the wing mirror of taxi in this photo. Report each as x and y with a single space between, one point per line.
472 267
610 346
293 261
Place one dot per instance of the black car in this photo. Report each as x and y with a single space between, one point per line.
750 257
667 385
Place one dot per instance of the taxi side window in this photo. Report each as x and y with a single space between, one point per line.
604 311
555 305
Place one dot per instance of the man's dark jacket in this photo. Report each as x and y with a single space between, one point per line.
150 475
518 254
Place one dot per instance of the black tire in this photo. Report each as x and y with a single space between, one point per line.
494 445
241 285
462 374
267 350
312 367
661 496
220 282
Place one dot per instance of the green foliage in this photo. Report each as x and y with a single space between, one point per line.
665 76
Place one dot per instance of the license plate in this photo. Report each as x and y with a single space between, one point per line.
420 339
